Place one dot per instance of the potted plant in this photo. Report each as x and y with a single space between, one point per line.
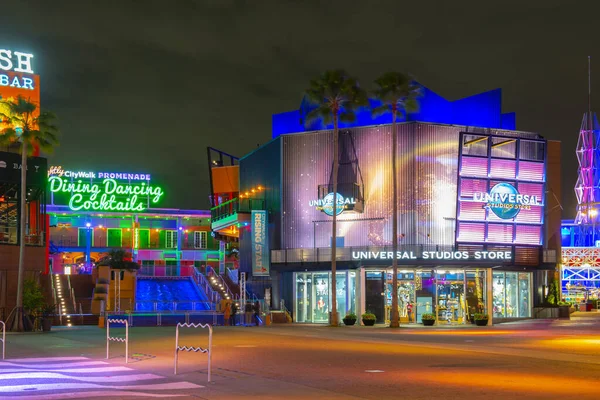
481 319
48 312
368 319
428 319
349 319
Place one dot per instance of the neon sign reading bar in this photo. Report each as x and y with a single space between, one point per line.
109 195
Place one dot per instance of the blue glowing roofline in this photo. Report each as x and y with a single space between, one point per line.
483 110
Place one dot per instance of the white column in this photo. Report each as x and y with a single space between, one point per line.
489 282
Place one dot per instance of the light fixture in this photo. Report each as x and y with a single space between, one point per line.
88 224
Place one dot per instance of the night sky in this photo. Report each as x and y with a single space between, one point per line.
145 86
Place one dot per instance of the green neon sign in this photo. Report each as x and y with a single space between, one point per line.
109 195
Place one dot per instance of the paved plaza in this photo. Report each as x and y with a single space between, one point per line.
534 359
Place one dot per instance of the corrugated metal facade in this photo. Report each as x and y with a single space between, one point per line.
427 185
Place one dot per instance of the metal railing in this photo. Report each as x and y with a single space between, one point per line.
3 339
173 306
179 348
203 284
233 275
9 235
166 270
117 339
158 316
232 207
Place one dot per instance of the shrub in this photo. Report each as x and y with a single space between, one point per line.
481 317
350 316
368 316
428 317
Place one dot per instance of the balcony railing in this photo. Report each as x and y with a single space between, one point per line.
167 270
67 241
235 206
9 235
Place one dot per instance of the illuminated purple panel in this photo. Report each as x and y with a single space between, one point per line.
501 168
533 216
471 211
471 232
531 171
500 233
474 166
470 186
532 189
528 234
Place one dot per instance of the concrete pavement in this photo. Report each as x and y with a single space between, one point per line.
534 359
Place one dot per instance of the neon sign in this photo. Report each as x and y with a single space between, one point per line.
15 61
433 255
109 195
59 171
326 204
505 201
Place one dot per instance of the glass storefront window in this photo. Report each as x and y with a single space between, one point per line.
475 292
499 293
511 294
321 295
313 301
450 292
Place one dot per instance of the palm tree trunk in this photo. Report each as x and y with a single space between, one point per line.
18 321
334 319
394 319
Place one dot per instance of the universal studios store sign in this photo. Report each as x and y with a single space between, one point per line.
417 256
103 191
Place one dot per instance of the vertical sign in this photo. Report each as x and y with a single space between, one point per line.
260 249
221 257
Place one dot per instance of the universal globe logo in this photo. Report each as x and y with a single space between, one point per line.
505 201
326 204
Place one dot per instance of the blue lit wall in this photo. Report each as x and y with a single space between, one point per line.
480 110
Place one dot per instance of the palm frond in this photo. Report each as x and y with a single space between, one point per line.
398 90
334 92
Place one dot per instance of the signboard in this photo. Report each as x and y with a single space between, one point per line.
505 201
482 255
501 190
84 190
326 204
10 169
260 247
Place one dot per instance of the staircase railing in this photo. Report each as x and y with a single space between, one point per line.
203 283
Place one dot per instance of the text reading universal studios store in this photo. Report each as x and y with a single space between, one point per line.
433 255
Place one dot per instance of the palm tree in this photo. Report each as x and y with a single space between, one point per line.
336 96
398 94
119 259
23 127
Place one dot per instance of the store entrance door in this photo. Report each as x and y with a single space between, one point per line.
374 294
451 298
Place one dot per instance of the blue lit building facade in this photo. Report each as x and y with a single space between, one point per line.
293 172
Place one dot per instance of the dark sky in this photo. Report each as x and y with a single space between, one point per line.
147 85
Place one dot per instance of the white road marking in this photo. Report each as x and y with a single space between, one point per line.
79 386
245 345
54 375
102 393
72 370
42 359
373 370
63 365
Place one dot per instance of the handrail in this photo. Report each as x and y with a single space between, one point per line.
208 290
234 277
74 301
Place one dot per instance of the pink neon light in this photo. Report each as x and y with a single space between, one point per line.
528 234
532 189
503 169
500 233
531 171
471 211
470 186
471 232
474 166
532 216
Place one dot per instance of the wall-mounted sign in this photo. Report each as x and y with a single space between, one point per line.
260 247
126 176
434 255
326 204
505 201
15 61
108 195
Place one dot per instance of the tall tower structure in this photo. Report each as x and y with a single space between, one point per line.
587 188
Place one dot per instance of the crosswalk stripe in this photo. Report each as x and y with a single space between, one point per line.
102 379
61 365
42 359
79 386
71 370
104 393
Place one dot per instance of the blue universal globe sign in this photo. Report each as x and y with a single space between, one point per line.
503 209
328 204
